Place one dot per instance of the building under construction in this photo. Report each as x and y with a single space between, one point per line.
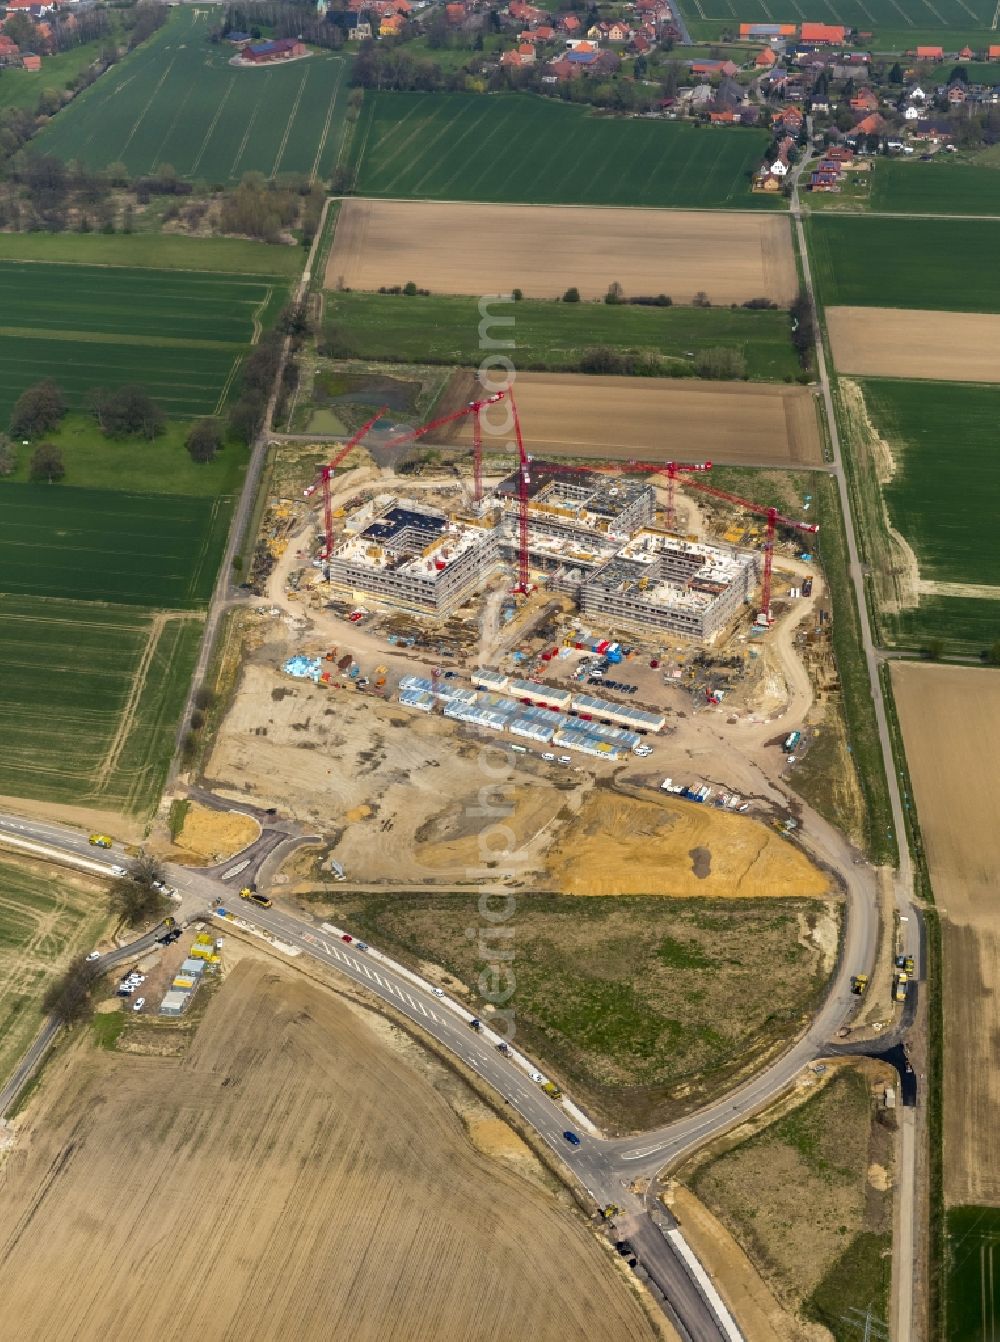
564 502
589 535
657 581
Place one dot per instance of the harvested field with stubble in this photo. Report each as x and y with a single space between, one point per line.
297 1173
950 718
617 418
543 250
898 342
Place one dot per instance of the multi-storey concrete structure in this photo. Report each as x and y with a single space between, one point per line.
416 558
659 582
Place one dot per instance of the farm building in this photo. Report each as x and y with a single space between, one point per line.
823 34
174 1002
759 30
266 53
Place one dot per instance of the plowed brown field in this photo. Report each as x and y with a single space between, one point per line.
456 248
951 729
739 423
891 342
292 1177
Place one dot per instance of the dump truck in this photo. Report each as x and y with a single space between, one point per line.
250 892
905 962
552 1090
100 841
859 982
899 992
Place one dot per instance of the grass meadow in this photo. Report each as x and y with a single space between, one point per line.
444 329
949 264
89 700
177 100
624 996
521 148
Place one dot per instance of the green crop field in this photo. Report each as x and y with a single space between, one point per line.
151 550
89 700
521 148
947 185
45 920
177 100
949 264
180 334
943 499
556 335
897 24
973 1274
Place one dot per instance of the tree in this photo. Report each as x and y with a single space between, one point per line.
896 74
410 289
8 456
572 295
68 998
701 300
37 410
47 463
993 654
137 897
615 294
127 412
204 439
933 649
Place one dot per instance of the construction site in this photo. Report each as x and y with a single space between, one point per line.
594 535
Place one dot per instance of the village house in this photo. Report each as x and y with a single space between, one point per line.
930 53
823 34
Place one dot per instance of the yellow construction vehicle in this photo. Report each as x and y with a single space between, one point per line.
859 983
552 1090
248 892
902 979
612 1209
100 841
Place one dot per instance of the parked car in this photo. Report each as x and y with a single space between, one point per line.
138 1004
94 955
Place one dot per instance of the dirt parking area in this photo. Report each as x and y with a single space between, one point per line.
402 796
615 418
292 1175
950 718
891 342
457 248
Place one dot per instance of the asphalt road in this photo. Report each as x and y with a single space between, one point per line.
605 1167
906 1261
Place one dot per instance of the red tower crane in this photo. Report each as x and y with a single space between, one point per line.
674 471
325 475
773 518
475 409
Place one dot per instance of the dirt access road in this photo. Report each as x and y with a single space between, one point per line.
659 419
299 1171
455 248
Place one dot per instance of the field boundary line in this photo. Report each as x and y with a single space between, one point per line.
117 743
152 96
290 122
326 126
215 121
118 338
